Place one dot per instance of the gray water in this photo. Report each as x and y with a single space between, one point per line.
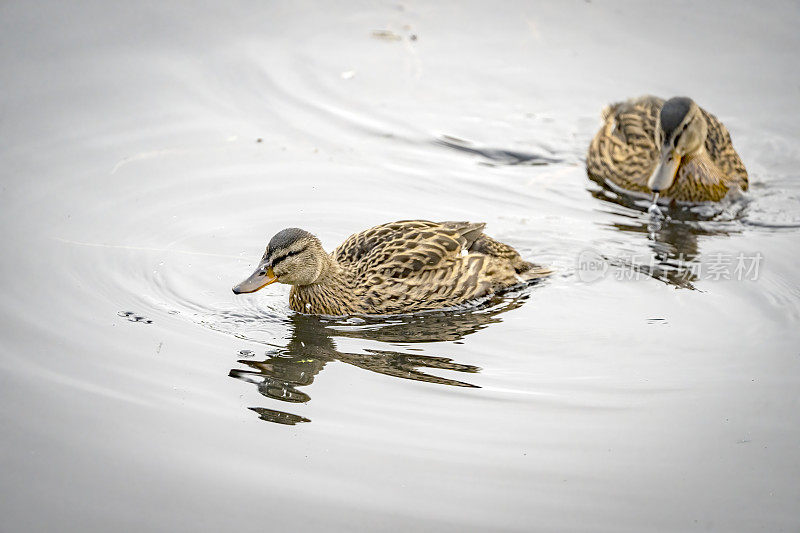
149 151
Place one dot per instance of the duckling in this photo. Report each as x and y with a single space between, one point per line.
399 267
674 149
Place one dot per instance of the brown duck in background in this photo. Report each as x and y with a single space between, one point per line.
673 148
399 267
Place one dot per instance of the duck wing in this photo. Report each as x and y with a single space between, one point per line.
416 264
720 147
399 249
624 151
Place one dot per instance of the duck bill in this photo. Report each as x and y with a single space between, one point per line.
257 280
665 171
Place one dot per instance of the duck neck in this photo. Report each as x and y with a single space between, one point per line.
698 166
330 294
699 178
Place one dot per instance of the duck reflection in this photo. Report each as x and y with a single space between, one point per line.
285 371
672 238
674 248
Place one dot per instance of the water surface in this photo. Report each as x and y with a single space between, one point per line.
149 152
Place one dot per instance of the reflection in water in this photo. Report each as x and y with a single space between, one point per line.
311 347
675 252
279 417
673 236
497 155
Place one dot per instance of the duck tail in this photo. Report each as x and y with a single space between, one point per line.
531 271
609 111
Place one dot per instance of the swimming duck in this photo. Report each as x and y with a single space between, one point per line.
399 267
673 148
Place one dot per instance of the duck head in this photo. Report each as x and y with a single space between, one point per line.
293 256
681 131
